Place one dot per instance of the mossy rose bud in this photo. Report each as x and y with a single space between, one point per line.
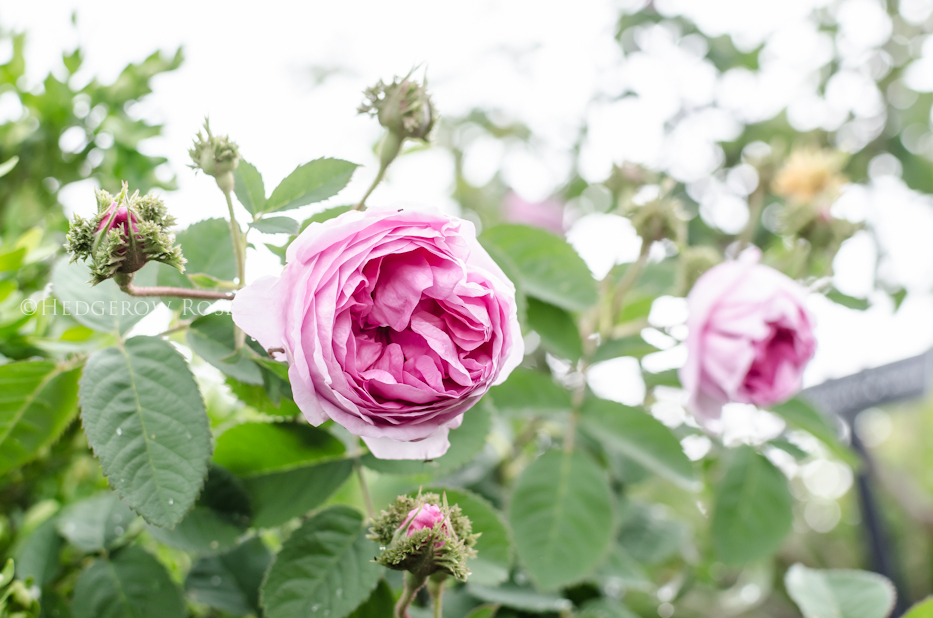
125 233
403 107
424 536
216 156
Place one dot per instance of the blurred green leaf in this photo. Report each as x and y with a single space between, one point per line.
525 599
800 414
839 593
8 165
36 557
753 509
548 267
326 563
561 517
128 584
380 603
249 188
276 225
639 436
144 418
209 251
212 338
557 329
102 307
250 449
230 581
923 609
483 611
648 534
605 608
530 391
633 346
859 304
312 182
97 523
39 400
279 496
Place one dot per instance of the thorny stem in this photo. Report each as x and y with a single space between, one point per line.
413 584
239 250
132 290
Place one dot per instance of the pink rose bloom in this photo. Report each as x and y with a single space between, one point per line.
393 323
548 215
749 337
424 517
122 219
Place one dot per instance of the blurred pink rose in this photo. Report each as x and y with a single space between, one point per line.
424 517
749 339
548 215
394 323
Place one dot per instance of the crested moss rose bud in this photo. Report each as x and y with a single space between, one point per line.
125 233
403 107
216 156
424 536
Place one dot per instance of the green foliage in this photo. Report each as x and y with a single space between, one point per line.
561 517
39 400
127 584
103 307
548 268
839 593
249 188
145 420
312 182
324 564
276 225
230 581
558 331
95 524
923 609
530 391
211 337
753 513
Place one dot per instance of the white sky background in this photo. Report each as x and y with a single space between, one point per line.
551 64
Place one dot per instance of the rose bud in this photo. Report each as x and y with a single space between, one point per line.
403 107
394 324
425 536
216 156
749 337
126 233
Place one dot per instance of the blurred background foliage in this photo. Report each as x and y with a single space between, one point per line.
660 561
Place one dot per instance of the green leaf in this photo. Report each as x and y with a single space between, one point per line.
12 260
131 584
621 570
605 608
898 298
639 436
37 556
530 391
525 599
249 188
491 565
102 307
633 346
839 593
144 418
251 449
859 304
312 182
7 166
230 581
211 337
258 398
548 267
466 442
96 523
557 329
325 564
277 497
752 513
38 400
219 517
648 535
483 611
209 251
380 603
561 518
276 225
800 414
923 609
207 281
325 215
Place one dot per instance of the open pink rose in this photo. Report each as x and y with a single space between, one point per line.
749 337
394 323
424 517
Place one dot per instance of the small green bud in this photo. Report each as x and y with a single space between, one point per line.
424 536
125 234
660 217
403 107
216 156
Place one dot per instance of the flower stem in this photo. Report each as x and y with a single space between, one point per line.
132 290
388 150
413 584
628 279
239 250
436 590
364 488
